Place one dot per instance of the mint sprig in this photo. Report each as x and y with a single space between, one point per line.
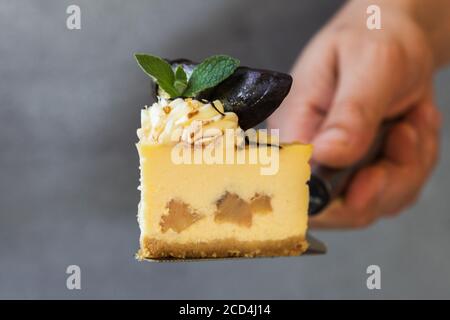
159 70
210 73
207 74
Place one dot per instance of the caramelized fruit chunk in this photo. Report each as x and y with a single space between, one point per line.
260 203
233 209
180 216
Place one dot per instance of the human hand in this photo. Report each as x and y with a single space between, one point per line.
346 83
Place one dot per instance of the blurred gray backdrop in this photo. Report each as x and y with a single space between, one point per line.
69 109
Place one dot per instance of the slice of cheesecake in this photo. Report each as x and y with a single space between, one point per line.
216 209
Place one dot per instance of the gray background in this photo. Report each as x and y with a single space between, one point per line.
69 109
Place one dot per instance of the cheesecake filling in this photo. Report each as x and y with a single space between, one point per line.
178 205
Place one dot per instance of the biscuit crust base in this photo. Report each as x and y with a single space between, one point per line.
224 248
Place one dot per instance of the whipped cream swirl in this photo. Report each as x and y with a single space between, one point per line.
185 120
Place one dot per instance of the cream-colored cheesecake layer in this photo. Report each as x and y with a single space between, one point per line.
201 186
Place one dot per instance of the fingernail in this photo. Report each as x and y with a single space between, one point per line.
333 136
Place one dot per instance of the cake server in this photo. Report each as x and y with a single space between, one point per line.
327 184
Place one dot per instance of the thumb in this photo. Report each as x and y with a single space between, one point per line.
356 112
347 133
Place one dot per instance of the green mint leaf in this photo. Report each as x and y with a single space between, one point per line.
160 71
180 80
210 73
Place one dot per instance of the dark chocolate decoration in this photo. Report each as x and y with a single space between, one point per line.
253 94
